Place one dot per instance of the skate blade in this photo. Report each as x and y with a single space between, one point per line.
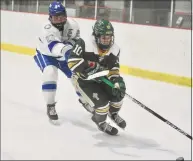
105 133
116 124
55 122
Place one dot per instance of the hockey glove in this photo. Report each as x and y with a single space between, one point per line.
120 88
109 61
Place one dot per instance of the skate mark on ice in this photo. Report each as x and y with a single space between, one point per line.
114 150
124 141
23 106
83 123
62 119
34 110
117 143
167 150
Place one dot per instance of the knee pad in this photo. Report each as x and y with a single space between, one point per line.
50 77
100 114
50 73
102 110
115 106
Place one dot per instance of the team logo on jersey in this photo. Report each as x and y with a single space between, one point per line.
48 26
108 26
95 95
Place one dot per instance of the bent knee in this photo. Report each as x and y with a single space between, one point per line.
50 73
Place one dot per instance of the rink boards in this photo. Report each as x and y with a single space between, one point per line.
155 53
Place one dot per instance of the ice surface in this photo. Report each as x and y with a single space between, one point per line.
27 134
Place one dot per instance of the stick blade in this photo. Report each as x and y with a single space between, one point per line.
98 74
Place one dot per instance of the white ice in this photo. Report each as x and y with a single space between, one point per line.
27 134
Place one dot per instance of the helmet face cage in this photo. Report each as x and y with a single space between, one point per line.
105 39
61 18
104 34
105 42
57 15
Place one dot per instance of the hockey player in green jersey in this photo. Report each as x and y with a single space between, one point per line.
97 97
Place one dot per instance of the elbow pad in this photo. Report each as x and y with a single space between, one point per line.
59 49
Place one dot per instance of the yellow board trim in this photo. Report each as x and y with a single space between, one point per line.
17 49
158 76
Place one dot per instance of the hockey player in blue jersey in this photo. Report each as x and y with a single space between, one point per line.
54 45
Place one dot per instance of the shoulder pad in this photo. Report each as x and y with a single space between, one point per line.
73 29
72 22
115 50
48 27
49 32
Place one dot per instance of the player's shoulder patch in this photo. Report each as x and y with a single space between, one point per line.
48 29
48 32
47 26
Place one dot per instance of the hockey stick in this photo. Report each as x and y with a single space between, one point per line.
149 110
98 74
